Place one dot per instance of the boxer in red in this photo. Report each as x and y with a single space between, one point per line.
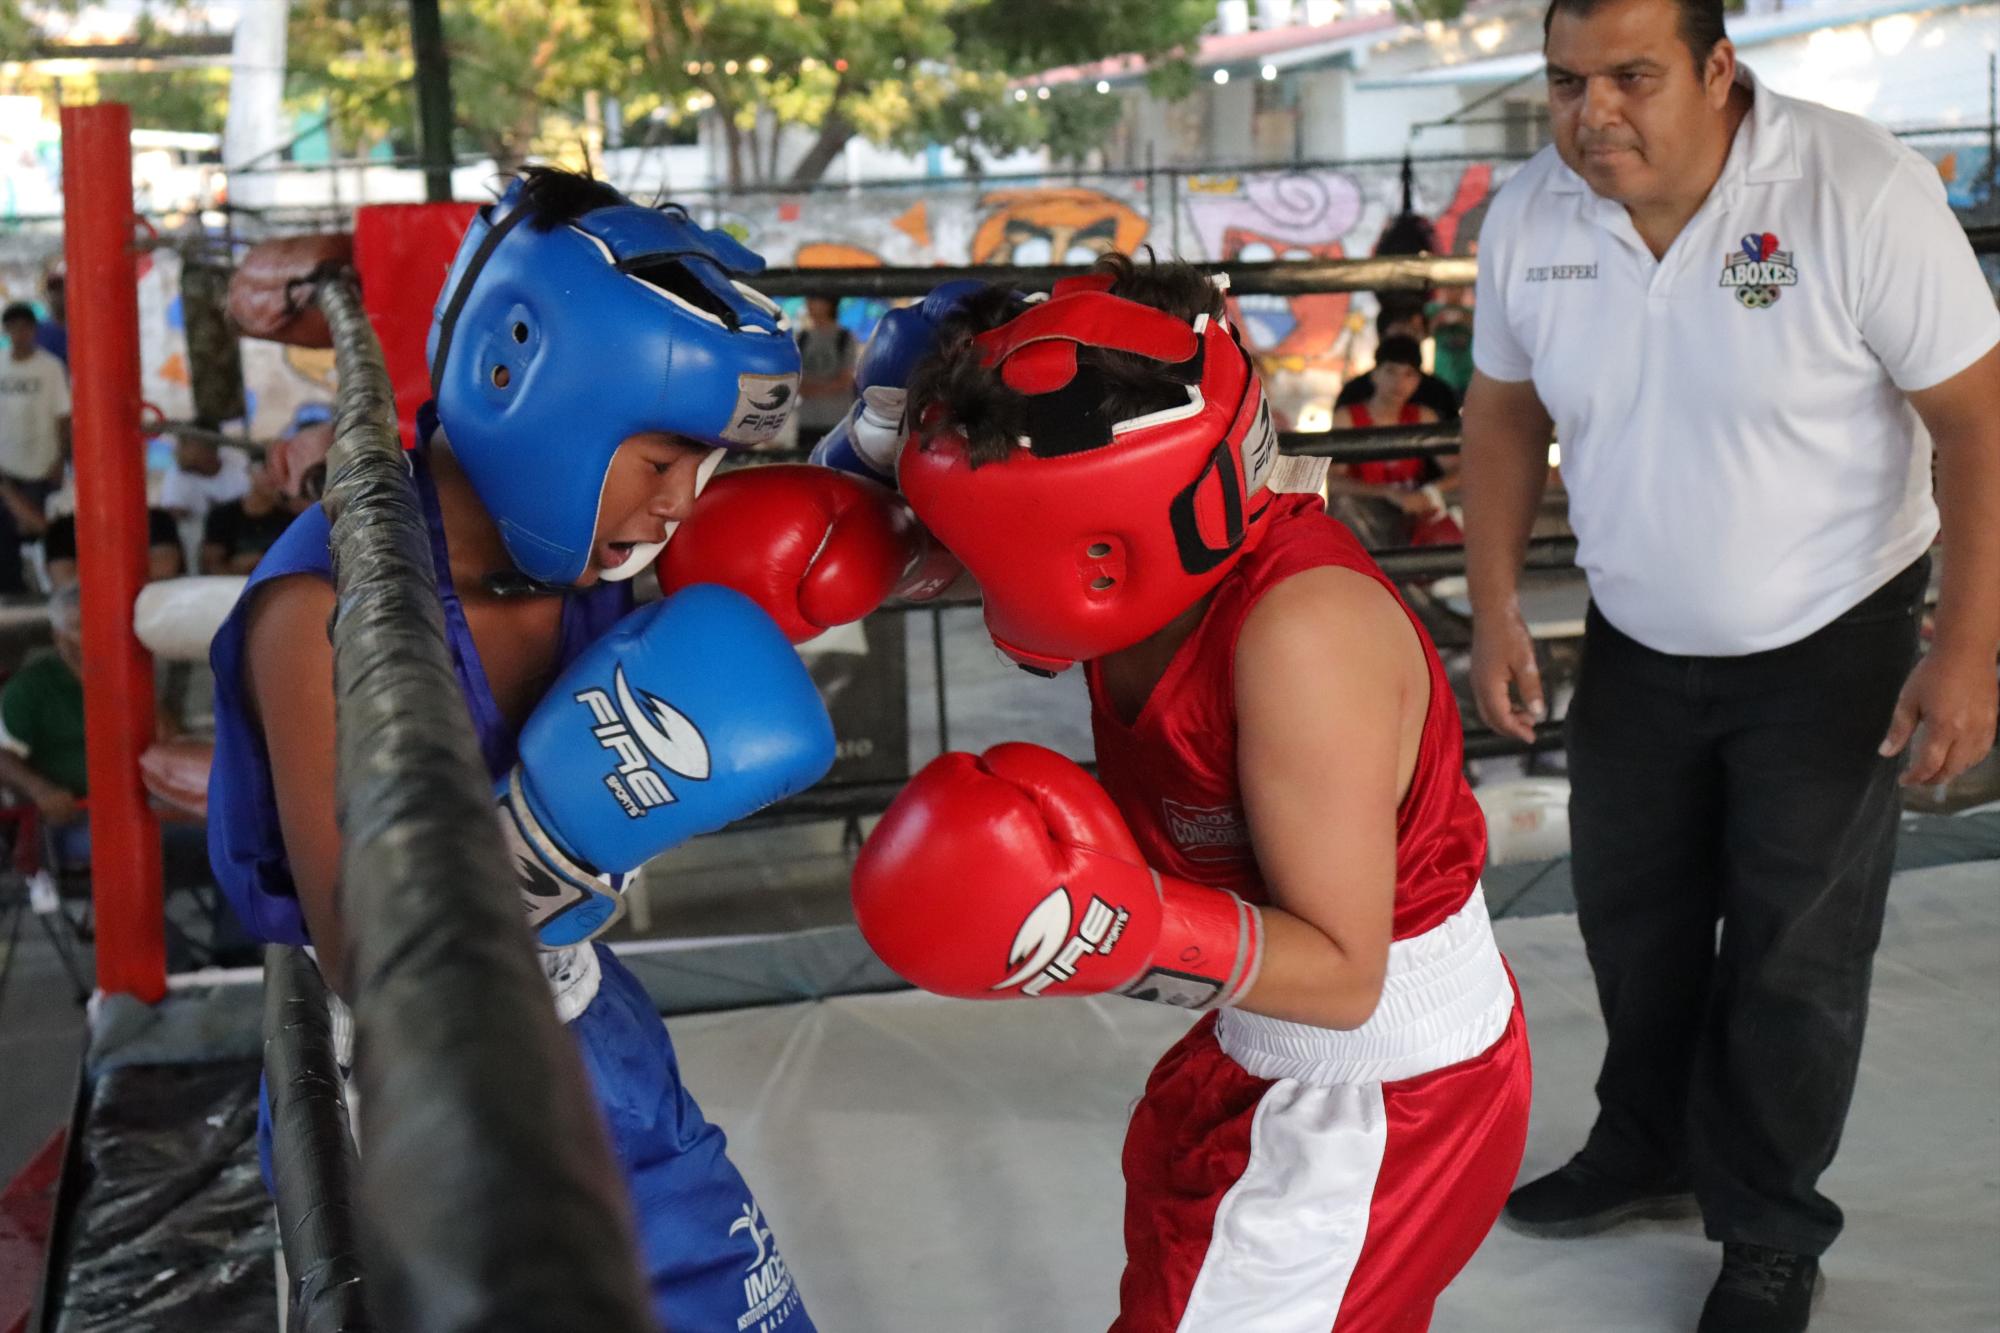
1280 830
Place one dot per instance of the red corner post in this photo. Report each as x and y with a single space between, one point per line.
98 229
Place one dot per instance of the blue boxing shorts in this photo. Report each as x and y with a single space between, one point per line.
711 1262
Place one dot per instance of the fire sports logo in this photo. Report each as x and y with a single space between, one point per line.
1758 270
640 729
1046 950
763 404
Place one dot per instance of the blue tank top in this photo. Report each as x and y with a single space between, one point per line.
246 846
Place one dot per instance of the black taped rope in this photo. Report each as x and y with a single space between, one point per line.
312 1148
488 1195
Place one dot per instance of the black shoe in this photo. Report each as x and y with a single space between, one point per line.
1580 1199
1762 1291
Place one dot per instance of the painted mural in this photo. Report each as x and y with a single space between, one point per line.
1307 345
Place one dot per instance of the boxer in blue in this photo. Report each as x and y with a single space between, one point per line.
590 360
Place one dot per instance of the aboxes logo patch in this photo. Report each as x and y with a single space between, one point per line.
1758 270
1047 950
639 730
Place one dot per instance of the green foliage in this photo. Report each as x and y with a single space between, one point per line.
17 32
520 69
905 72
170 99
898 72
1423 11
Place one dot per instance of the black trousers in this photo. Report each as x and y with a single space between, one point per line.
1746 791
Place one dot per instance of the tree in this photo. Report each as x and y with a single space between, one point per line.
171 99
18 33
900 72
521 69
903 73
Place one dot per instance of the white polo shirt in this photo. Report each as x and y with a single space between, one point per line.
1743 466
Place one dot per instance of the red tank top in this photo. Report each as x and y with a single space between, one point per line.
1411 472
1173 772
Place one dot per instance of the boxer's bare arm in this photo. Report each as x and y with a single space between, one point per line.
289 665
1331 690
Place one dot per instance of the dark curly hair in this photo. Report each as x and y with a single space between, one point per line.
554 197
950 389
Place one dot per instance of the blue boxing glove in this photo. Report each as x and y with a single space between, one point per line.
867 439
690 714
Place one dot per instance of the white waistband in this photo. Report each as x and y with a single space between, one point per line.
1446 998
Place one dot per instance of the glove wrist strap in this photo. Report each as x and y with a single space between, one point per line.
566 901
1210 948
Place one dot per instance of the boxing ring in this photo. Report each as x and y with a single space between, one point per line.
932 1168
928 1163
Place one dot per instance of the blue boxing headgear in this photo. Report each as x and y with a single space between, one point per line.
553 343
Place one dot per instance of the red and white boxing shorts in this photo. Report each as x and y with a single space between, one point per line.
1294 1179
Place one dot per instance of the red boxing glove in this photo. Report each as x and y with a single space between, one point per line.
814 547
1011 874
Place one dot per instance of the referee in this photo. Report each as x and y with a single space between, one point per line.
1753 324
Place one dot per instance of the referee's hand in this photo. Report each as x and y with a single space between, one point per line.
1948 705
1506 683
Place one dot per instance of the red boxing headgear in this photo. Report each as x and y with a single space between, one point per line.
1094 533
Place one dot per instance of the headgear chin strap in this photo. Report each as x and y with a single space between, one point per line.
551 345
645 553
1095 533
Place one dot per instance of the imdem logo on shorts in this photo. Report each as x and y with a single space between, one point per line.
1758 269
640 730
1207 832
770 1297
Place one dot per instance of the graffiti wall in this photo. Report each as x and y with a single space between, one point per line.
1307 345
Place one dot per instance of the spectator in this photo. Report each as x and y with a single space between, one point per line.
42 752
34 436
205 473
1402 320
282 486
164 559
827 353
1400 501
1451 346
52 334
41 726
